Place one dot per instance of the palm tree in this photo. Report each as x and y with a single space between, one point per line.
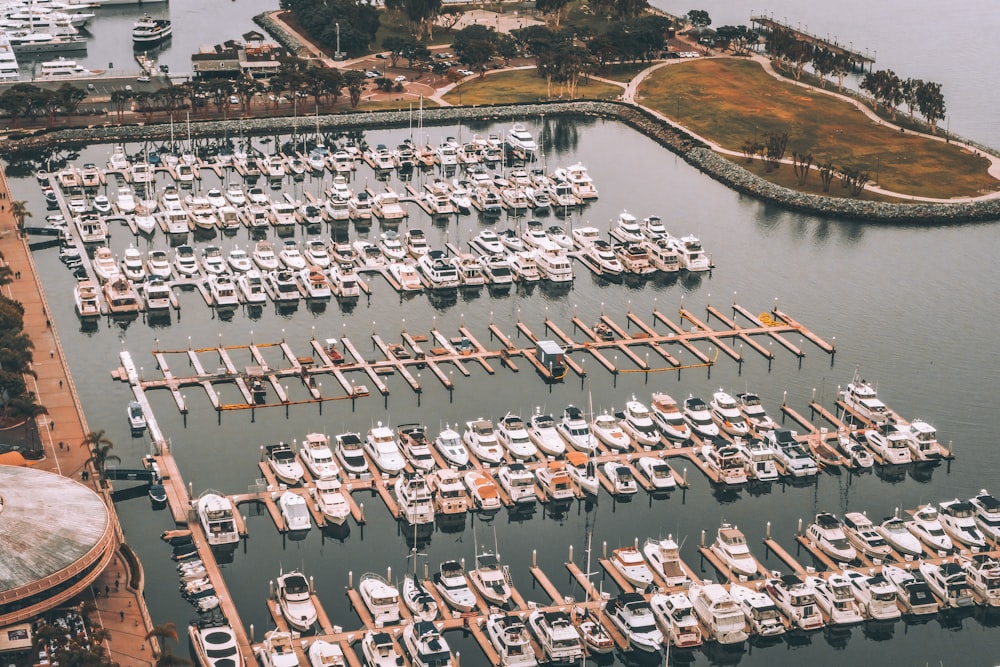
100 451
19 209
167 658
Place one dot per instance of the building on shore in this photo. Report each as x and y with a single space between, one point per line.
254 57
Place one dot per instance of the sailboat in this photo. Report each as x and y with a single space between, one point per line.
415 596
594 635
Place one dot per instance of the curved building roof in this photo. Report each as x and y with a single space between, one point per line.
47 524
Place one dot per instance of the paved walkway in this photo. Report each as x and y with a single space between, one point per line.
62 430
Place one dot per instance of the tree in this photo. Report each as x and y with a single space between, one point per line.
801 164
70 97
699 18
552 10
355 82
395 45
120 99
423 13
910 88
931 104
167 657
853 179
631 9
19 209
100 451
737 37
823 63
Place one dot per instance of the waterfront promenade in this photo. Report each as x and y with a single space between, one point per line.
117 592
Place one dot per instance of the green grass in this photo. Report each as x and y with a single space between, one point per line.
623 72
731 101
517 86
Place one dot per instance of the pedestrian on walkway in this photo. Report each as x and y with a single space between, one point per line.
121 614
107 591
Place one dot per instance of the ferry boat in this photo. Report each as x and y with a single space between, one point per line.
862 535
731 547
214 643
147 30
85 297
295 599
759 610
350 453
216 514
453 585
633 617
426 646
676 618
318 457
664 558
381 598
557 636
510 638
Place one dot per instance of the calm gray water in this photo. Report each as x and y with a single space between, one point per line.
910 306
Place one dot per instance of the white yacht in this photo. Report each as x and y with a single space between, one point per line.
622 480
379 650
125 199
426 646
449 492
789 454
469 269
344 280
924 445
576 175
676 619
251 286
449 445
290 256
381 446
331 500
827 533
490 579
861 397
692 255
668 417
520 140
216 514
633 617
481 439
277 650
482 491
510 638
699 418
314 283
926 526
414 498
732 549
662 255
862 535
958 520
894 531
487 242
890 443
983 574
235 196
284 286
415 446
85 296
835 596
158 264
575 431
759 459
987 514
105 265
726 414
282 462
607 428
555 481
318 457
519 484
759 609
214 643
239 261
726 461
386 207
626 229
582 469
8 60
949 583
212 260
295 600
513 436
381 598
557 636
912 592
325 654
264 257
418 600
440 273
797 601
543 433
664 558
632 566
453 585
637 421
294 511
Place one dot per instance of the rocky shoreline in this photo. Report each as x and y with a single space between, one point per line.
674 139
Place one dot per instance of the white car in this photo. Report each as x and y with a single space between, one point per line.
400 79
465 72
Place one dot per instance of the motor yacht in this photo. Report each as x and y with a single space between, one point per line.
827 533
557 636
337 210
543 433
379 650
311 215
406 275
924 445
318 457
862 535
599 254
890 443
105 265
789 454
876 595
216 513
417 599
264 257
415 446
676 619
510 638
521 141
380 444
290 256
518 483
282 213
622 480
386 207
133 266
896 534
861 397
448 492
595 637
631 565
415 243
331 500
726 414
986 510
381 598
983 575
85 296
256 217
460 196
440 273
912 592
926 526
295 599
608 430
626 229
555 481
277 650
425 645
949 583
481 439
212 260
758 458
634 258
350 453
511 433
637 421
632 615
121 297
490 579
449 445
314 283
282 462
453 585
185 261
726 461
213 641
487 242
223 291
575 431
251 286
359 207
414 498
731 547
692 254
858 456
835 597
294 511
344 280
145 221
699 418
664 558
483 491
239 261
325 654
797 601
958 520
125 199
759 610
668 418
469 269
284 286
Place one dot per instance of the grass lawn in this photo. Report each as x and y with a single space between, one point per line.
623 72
730 101
516 86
